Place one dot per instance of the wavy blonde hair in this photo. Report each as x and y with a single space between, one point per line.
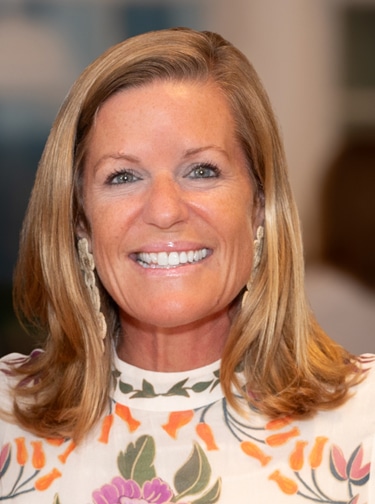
291 366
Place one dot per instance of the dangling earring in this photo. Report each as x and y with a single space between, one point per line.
258 246
257 254
88 266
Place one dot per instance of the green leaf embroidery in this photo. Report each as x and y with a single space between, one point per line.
147 390
116 373
137 462
211 496
194 476
215 384
201 386
56 499
178 389
125 388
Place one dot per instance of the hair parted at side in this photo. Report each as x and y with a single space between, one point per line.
291 366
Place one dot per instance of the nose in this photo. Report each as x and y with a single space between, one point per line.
166 204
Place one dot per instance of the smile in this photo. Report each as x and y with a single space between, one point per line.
170 259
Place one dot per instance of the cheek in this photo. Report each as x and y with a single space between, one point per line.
239 237
105 234
243 239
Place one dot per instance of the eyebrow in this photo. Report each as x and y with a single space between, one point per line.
134 159
192 152
125 157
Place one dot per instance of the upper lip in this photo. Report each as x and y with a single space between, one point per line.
170 247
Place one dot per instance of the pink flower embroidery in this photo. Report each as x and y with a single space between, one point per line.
121 491
4 459
354 500
351 470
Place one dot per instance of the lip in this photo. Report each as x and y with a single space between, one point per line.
170 246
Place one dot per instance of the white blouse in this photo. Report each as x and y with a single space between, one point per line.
172 438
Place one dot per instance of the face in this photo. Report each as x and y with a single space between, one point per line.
170 203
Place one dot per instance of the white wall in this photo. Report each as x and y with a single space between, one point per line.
294 46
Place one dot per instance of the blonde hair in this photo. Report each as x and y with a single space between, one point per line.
291 366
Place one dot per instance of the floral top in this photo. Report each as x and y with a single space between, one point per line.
172 438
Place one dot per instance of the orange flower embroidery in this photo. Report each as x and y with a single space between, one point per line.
316 454
38 459
63 457
55 441
177 419
46 481
254 451
205 433
296 457
278 423
286 485
125 414
282 437
106 428
21 451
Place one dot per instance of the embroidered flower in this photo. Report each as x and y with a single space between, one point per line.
252 450
121 491
204 431
351 470
125 414
296 458
177 420
38 458
316 455
22 454
282 437
286 485
5 454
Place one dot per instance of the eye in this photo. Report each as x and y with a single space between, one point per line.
204 170
122 177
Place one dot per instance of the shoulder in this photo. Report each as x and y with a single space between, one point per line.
9 376
359 406
367 369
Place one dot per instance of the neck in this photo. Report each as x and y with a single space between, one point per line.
173 349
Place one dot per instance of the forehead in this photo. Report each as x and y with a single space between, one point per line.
165 122
161 104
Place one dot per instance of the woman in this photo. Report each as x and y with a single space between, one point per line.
161 243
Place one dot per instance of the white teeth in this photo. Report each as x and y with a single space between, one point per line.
153 257
183 258
163 259
171 259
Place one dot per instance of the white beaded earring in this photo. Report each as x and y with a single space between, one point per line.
88 266
258 246
257 254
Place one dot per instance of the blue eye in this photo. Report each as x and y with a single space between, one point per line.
122 177
204 170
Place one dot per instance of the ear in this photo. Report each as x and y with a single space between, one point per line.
82 232
258 212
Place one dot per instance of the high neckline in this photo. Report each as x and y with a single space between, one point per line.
161 391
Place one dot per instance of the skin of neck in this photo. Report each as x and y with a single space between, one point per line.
173 349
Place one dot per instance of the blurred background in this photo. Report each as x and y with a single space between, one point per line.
317 61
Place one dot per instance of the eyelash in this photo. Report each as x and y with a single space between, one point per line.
204 167
110 180
193 174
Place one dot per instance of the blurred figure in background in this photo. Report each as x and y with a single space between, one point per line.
341 287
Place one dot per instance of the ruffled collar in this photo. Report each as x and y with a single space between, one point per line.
156 391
